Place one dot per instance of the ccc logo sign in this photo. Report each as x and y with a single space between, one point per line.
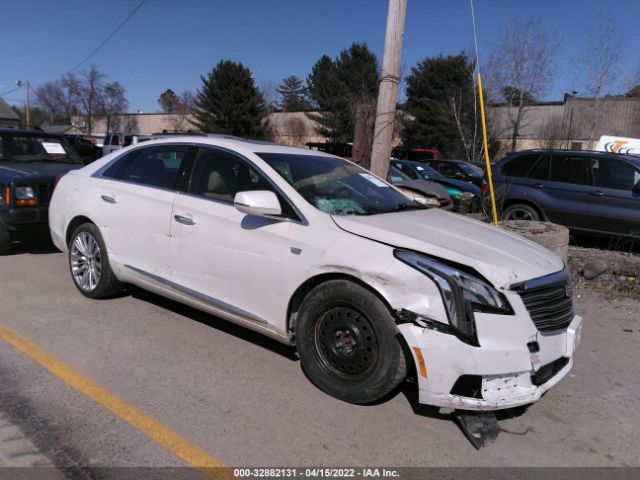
618 146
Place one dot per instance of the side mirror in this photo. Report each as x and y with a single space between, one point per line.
261 203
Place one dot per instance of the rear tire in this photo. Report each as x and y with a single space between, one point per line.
348 342
520 211
89 263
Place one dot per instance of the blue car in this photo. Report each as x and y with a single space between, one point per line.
465 195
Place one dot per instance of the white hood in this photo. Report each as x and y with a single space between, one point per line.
503 258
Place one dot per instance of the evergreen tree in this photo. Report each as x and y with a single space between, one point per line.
293 93
168 101
337 87
229 102
442 107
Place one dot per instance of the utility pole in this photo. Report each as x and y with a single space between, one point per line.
27 106
388 90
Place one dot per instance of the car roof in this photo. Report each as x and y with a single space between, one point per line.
635 159
229 141
24 131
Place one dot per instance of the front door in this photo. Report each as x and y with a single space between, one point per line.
222 256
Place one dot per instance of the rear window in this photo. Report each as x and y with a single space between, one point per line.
36 148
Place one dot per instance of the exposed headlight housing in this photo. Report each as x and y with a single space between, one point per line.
421 199
462 293
25 195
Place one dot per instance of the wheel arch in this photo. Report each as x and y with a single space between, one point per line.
305 288
75 223
528 203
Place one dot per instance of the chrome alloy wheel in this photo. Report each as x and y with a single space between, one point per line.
86 261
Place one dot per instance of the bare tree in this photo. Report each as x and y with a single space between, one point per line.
521 68
130 124
111 102
87 88
271 96
601 61
57 99
555 133
176 109
297 131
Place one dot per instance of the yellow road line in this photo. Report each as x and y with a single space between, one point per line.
189 453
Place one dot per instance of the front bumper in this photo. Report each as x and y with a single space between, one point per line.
25 218
503 372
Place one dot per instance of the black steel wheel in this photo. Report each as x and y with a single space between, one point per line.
348 342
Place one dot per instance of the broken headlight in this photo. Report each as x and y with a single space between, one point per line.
462 293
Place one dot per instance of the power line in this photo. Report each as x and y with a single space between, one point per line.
110 35
11 91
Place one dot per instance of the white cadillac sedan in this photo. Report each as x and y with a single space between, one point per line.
314 251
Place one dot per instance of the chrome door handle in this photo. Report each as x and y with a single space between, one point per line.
598 193
538 185
108 199
184 220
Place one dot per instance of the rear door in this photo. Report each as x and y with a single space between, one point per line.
614 206
561 185
136 199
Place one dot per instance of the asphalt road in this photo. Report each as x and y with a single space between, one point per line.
244 400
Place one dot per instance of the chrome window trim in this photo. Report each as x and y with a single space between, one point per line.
98 173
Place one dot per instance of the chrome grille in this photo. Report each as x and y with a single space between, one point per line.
548 301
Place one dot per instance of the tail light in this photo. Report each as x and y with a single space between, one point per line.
484 189
120 140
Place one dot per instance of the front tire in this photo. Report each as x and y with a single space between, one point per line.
89 263
348 342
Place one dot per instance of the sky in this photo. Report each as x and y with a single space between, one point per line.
171 43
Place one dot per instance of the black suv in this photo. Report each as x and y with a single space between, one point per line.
30 163
592 192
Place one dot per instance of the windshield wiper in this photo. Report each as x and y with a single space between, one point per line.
402 207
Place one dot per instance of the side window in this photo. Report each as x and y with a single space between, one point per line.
153 166
519 166
114 139
616 174
568 169
542 168
408 170
219 175
446 169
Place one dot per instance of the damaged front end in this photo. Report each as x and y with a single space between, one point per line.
502 360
